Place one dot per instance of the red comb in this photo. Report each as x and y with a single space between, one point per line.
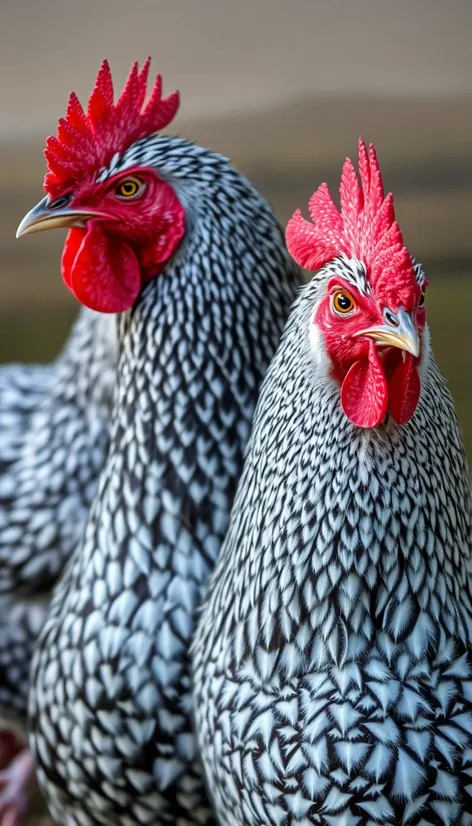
86 143
365 228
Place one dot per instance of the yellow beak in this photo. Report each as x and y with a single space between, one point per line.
42 217
398 331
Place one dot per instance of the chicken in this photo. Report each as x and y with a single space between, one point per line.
171 237
332 660
53 441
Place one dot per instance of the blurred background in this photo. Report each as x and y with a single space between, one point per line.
284 87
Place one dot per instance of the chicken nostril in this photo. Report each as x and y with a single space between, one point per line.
391 318
60 202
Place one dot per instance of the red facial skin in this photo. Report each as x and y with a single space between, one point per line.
374 378
108 262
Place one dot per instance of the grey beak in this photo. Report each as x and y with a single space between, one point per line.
42 217
399 330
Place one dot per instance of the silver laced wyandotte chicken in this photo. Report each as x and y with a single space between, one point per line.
179 244
332 661
54 426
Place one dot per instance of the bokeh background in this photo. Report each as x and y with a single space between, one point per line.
284 87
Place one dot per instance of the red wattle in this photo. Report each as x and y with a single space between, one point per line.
69 253
364 394
404 389
102 272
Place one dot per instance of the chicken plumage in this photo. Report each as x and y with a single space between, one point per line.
53 440
54 424
193 257
332 661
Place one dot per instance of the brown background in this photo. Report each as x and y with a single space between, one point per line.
284 87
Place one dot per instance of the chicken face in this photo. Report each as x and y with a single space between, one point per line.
371 316
373 345
123 227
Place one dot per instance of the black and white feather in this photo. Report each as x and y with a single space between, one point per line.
54 427
332 662
110 701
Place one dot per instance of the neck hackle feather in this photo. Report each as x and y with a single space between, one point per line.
364 228
86 142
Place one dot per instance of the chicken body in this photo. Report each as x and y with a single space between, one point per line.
333 656
54 424
110 705
54 429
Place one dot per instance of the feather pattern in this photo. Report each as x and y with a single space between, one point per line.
334 646
110 702
53 441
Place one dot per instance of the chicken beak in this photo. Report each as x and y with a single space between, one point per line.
42 217
399 330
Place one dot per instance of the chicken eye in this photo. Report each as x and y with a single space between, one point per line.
129 188
343 302
422 298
